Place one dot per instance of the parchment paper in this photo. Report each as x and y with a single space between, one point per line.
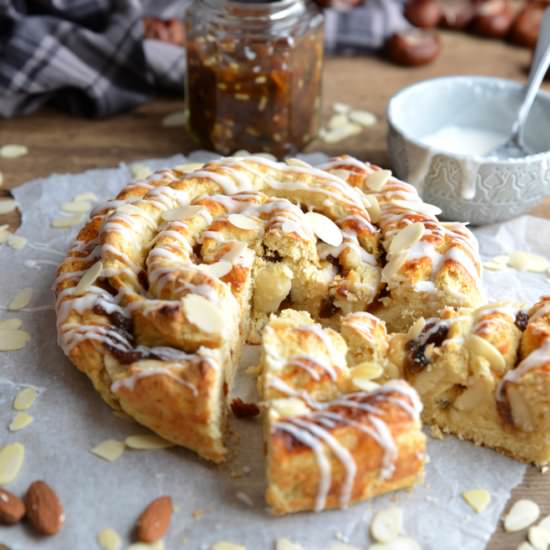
70 418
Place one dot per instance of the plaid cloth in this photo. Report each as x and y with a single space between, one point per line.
90 57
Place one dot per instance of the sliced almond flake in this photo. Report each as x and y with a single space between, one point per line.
11 460
417 206
67 221
4 235
523 513
340 173
299 163
203 314
224 545
20 420
267 156
325 229
237 248
338 121
525 261
109 450
393 266
76 206
17 242
285 544
366 371
189 167
24 399
364 118
89 278
109 539
13 151
11 324
416 328
479 346
147 442
218 269
407 237
243 222
342 546
21 299
7 205
339 107
387 524
339 134
181 213
1 179
289 407
377 180
177 118
13 340
373 207
494 266
544 523
538 537
477 499
140 171
86 196
400 543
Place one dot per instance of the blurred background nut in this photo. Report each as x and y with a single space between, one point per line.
494 18
525 30
425 14
456 14
414 47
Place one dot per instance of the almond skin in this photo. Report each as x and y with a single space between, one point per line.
44 510
12 508
154 521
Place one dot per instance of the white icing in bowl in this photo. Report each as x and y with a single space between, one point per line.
460 117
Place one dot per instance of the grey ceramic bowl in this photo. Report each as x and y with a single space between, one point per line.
504 189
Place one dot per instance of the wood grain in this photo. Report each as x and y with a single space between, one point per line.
61 144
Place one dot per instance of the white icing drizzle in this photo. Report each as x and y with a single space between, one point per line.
538 358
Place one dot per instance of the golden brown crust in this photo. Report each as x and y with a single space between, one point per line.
358 466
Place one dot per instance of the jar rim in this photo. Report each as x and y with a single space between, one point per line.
274 9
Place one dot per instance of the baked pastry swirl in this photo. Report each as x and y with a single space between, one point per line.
165 283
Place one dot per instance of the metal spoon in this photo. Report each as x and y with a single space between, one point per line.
514 147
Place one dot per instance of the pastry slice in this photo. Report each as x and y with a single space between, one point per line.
329 445
483 375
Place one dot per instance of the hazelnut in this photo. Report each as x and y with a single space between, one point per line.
525 29
425 14
493 18
456 14
414 47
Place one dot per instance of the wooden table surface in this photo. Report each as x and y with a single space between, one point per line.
60 144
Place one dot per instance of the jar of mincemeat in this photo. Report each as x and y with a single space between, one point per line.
254 74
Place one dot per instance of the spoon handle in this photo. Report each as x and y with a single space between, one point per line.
541 62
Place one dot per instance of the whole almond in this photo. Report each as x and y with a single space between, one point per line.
44 510
12 508
154 521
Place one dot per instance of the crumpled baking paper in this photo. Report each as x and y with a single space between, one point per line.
213 503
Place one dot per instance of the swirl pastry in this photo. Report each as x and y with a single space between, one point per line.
165 282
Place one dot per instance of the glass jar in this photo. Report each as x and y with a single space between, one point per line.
254 74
